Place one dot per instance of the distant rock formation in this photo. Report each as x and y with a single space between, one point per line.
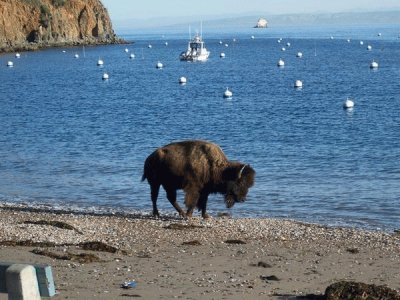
34 24
262 23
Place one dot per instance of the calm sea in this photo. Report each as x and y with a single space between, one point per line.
70 140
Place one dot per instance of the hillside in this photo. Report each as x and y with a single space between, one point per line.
33 24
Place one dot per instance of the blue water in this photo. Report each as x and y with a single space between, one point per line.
70 140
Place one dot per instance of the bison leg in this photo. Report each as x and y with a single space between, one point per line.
154 195
203 205
191 200
171 195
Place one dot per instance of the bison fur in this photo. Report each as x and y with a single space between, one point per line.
199 168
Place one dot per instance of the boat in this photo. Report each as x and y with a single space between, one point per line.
196 50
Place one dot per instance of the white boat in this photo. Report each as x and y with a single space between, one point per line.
196 50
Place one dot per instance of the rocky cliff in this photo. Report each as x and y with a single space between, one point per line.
33 24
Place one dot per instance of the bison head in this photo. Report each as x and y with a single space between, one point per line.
239 178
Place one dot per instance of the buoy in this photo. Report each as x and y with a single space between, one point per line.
159 65
126 50
100 62
288 44
228 94
105 76
150 46
76 55
374 65
253 37
182 80
348 40
331 37
222 55
348 103
281 63
10 64
379 34
17 55
361 43
369 47
132 56
299 55
298 84
166 43
220 42
64 51
279 40
226 45
283 49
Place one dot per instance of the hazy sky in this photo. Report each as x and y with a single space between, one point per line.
135 9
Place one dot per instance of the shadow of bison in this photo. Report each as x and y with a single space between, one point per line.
199 168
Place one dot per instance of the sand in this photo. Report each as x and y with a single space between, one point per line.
217 258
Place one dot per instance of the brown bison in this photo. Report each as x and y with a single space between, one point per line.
199 168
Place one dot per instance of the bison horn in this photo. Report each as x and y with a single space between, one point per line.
241 171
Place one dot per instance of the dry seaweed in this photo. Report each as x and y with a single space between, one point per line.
81 257
57 224
98 246
178 226
27 243
192 243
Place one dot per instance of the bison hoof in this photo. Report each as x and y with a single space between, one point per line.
206 216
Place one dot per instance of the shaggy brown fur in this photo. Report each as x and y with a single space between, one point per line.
199 168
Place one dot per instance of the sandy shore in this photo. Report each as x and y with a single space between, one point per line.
220 258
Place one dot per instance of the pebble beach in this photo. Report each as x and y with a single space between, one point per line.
98 256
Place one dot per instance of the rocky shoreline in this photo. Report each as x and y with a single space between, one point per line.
218 258
33 25
39 46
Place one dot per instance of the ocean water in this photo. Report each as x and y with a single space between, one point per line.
70 140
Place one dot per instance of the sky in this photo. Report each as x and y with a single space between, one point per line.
147 9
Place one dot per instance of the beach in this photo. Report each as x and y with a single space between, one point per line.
94 256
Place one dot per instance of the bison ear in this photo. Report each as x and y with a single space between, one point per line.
233 173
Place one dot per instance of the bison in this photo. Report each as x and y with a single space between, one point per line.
199 168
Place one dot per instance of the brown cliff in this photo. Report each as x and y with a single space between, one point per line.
33 24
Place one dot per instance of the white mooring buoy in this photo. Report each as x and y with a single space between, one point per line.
159 65
374 65
348 103
228 94
10 64
105 76
298 84
100 62
281 63
182 80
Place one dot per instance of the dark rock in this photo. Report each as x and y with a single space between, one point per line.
234 242
269 278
